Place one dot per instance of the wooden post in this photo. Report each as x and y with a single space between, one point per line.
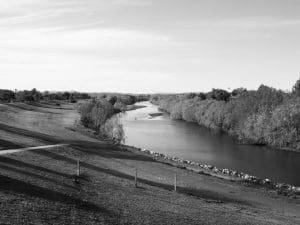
175 182
135 178
78 168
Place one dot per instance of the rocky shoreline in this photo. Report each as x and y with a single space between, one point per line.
223 173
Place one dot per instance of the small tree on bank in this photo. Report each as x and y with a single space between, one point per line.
296 88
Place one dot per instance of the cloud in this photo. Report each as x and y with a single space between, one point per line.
257 22
132 2
85 39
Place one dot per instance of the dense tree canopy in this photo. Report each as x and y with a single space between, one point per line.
35 96
7 95
264 116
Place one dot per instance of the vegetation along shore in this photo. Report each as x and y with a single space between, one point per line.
265 116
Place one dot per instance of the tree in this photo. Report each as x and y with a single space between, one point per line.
202 96
95 112
238 91
296 88
36 95
113 129
112 99
66 95
219 95
7 95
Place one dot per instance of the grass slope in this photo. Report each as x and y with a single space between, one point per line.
38 186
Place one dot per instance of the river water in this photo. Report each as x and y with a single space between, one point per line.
192 142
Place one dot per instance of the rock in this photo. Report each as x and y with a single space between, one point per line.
255 180
226 171
234 173
246 177
195 170
181 167
210 167
266 181
280 185
186 161
297 190
216 170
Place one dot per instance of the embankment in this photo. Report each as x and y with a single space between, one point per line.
38 186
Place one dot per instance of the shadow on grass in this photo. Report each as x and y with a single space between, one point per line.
205 194
16 186
9 145
32 134
24 165
107 151
37 176
29 107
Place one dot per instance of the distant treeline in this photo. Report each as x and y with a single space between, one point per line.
35 96
265 116
121 101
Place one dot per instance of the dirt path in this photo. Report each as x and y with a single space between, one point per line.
10 151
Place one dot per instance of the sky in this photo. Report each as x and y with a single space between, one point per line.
147 46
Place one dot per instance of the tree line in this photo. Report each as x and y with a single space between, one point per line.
121 101
35 96
263 116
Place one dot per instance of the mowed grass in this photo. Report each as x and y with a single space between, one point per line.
38 187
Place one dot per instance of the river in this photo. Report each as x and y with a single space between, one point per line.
192 142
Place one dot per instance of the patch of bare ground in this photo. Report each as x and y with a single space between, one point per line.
39 186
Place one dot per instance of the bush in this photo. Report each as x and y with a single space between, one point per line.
189 109
296 88
7 95
98 115
218 94
113 130
95 113
284 126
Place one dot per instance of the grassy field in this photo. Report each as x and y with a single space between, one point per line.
38 186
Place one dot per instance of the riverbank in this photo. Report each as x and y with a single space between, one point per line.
38 186
223 173
264 117
152 115
240 140
196 143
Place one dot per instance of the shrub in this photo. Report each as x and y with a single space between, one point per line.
6 95
296 88
95 112
218 94
284 126
113 130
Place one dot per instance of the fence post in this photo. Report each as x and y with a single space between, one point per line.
78 168
135 178
175 182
